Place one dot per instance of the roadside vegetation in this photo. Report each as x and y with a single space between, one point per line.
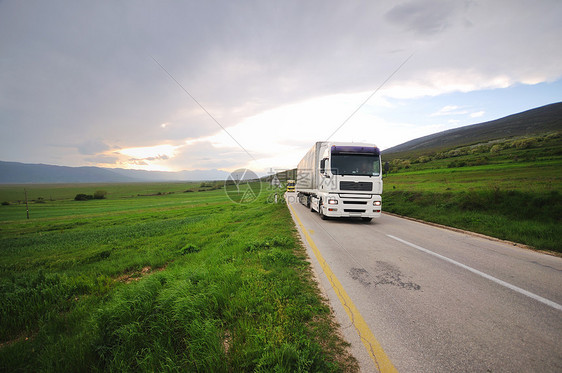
510 189
158 277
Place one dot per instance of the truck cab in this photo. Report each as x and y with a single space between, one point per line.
341 180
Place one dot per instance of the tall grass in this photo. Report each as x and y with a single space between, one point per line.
531 219
174 282
509 198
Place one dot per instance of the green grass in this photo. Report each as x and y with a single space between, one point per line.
516 195
174 281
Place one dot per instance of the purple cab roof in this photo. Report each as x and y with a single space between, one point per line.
350 149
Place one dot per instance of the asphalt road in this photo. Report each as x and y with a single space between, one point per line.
417 298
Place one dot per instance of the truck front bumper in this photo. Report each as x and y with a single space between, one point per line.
353 205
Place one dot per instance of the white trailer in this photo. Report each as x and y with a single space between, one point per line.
339 179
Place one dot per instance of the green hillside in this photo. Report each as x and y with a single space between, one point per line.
509 189
545 119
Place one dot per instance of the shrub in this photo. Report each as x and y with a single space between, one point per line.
100 194
405 164
553 136
524 143
455 164
188 249
496 148
480 149
83 197
479 161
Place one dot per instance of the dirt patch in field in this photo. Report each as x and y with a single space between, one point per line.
23 337
137 275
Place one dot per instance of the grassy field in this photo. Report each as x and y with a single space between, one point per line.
157 277
508 189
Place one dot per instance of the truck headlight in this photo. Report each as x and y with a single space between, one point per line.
332 201
376 203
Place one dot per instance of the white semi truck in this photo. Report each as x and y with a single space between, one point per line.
339 179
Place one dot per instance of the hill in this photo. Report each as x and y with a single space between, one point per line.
24 173
531 122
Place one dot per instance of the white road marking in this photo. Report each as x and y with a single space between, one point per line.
485 275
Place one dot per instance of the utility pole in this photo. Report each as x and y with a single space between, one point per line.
26 205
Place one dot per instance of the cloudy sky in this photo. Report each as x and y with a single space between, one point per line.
149 84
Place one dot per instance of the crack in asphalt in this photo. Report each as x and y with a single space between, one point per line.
377 354
351 315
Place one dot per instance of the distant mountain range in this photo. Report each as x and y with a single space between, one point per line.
531 122
23 173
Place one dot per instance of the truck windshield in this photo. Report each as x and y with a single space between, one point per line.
355 164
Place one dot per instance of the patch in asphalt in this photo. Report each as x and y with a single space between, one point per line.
361 275
386 274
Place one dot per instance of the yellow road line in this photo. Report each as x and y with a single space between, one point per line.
374 349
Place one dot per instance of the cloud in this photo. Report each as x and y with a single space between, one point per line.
94 146
102 160
457 110
161 152
450 110
477 114
82 74
203 154
137 162
159 157
424 17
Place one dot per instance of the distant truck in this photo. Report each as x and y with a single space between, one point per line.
341 180
290 185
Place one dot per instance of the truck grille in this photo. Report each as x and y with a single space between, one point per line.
363 186
354 210
354 202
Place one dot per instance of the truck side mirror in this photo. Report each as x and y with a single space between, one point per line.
323 170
